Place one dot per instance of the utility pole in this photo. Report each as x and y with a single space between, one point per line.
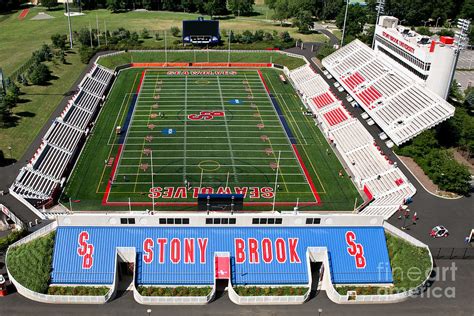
105 32
90 33
98 31
69 23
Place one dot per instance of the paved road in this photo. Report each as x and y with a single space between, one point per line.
465 78
430 304
456 215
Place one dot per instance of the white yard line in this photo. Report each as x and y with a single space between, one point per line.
227 131
185 124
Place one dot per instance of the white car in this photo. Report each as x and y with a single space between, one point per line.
340 89
354 104
370 122
349 98
325 72
383 136
364 115
439 231
389 143
329 76
337 84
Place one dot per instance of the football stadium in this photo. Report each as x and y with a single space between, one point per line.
182 174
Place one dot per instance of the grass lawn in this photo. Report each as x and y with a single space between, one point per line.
410 266
20 38
36 105
231 144
30 263
187 56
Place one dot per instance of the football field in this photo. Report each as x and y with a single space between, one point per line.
189 131
207 131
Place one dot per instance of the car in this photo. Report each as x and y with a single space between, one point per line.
439 231
354 104
337 84
364 115
340 89
383 136
349 98
325 72
389 143
329 76
370 122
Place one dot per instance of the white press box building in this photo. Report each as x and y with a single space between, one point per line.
431 61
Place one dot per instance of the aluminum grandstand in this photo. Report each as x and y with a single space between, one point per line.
42 176
372 171
398 103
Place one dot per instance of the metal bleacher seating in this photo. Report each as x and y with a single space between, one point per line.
372 171
398 103
39 179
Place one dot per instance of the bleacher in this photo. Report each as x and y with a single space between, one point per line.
39 179
399 104
372 171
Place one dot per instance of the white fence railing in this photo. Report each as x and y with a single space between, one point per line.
12 216
171 300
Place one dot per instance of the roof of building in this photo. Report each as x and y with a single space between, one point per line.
280 252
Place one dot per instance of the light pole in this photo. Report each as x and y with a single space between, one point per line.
379 10
344 27
10 149
148 312
69 23
320 311
437 21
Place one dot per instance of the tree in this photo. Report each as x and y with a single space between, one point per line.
39 74
145 33
303 21
423 30
215 7
285 37
247 37
175 31
241 7
282 11
49 3
59 41
467 10
115 5
356 19
325 51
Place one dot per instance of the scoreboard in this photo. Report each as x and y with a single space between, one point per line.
201 31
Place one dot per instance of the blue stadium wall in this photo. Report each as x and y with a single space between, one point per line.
185 255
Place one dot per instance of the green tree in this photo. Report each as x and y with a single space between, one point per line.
282 11
59 41
49 3
422 30
115 5
241 7
303 21
145 33
215 7
467 10
175 31
356 19
325 51
39 74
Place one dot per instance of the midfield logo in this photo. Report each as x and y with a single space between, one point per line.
205 115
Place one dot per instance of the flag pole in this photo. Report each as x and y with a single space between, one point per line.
200 181
276 181
227 181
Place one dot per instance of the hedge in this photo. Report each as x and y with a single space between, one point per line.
78 290
30 263
270 291
174 291
12 237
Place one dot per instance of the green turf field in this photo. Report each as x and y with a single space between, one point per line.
184 128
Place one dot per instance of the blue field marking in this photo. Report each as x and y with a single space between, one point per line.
126 124
168 131
236 101
283 120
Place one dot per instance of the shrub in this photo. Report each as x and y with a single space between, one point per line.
11 238
39 74
78 290
173 291
270 291
157 36
175 31
145 34
86 54
30 263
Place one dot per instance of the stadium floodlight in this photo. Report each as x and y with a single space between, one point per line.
380 8
344 26
69 23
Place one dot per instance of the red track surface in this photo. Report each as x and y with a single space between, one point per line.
23 14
